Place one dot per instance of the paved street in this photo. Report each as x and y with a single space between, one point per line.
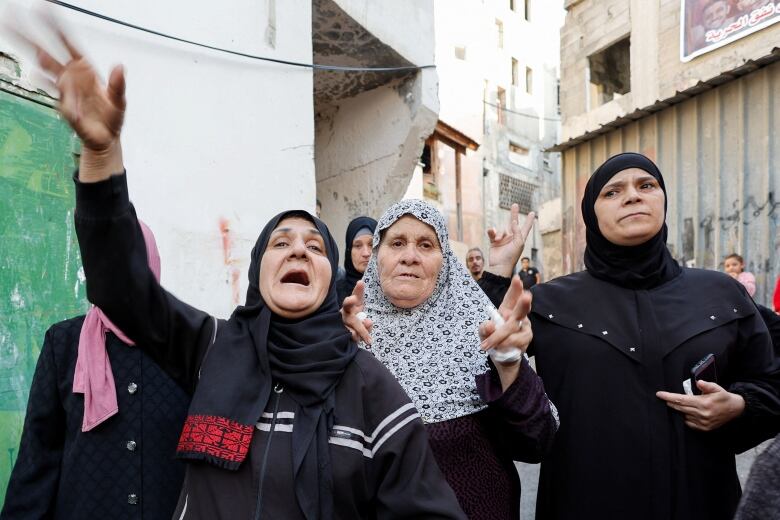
529 477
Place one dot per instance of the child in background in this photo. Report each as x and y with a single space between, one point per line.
735 266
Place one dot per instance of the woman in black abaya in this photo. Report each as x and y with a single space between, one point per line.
288 418
357 253
614 344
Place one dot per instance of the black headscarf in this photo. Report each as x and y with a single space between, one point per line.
635 267
256 350
347 284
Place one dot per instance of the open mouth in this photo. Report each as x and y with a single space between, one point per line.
296 277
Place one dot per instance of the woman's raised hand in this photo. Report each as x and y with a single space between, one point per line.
359 326
515 333
507 246
95 111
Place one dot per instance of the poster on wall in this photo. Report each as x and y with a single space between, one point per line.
709 24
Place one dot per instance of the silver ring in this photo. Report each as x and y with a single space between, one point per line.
361 315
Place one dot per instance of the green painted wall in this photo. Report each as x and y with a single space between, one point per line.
40 278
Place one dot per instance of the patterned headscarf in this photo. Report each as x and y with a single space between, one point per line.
431 349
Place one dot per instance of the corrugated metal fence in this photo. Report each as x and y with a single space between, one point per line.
719 152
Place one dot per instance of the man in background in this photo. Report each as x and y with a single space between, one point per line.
475 262
528 274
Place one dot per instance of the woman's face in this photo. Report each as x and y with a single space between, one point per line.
295 271
409 260
630 208
361 252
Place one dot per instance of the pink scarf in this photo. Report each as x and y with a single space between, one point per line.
93 376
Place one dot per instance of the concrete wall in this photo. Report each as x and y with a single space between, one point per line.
211 141
368 145
367 148
657 72
720 155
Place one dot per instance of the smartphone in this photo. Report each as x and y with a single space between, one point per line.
704 369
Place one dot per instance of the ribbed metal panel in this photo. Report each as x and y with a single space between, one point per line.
720 155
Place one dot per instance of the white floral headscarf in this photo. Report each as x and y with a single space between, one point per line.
432 349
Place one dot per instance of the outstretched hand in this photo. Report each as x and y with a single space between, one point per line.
95 111
507 246
515 333
353 305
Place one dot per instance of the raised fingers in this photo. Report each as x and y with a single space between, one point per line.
512 296
48 63
56 27
354 303
514 217
116 87
522 307
527 225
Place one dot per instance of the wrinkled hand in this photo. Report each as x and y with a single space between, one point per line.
507 246
514 333
708 411
353 304
94 111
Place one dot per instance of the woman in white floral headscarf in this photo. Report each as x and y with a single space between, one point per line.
425 311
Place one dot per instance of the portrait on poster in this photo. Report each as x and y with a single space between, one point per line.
709 24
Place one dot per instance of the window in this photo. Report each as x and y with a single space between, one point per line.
519 155
609 73
460 53
515 72
527 10
501 98
529 80
511 190
500 30
512 5
425 158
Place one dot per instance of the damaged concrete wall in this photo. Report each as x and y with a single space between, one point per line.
657 72
369 138
214 144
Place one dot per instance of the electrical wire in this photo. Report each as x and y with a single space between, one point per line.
336 68
522 113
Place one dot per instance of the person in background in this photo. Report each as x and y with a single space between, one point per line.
318 209
528 274
101 426
761 496
734 266
776 296
475 262
357 253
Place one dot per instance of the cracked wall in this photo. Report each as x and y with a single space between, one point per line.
370 128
